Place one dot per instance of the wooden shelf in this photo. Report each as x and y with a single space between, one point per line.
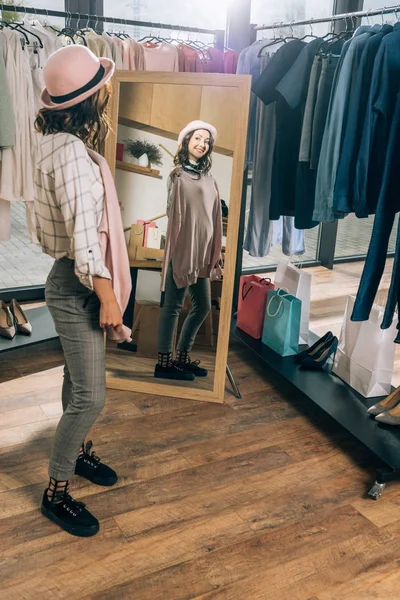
123 166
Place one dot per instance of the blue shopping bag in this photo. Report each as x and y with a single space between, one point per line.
282 323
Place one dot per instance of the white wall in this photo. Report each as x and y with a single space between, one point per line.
144 197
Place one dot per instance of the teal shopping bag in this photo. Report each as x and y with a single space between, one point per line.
282 323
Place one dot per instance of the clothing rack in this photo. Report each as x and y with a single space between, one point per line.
86 18
342 17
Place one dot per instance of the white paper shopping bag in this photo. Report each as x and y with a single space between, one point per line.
153 238
298 283
365 356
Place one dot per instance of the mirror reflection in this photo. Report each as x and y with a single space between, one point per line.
173 177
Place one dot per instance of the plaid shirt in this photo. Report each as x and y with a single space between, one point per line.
69 201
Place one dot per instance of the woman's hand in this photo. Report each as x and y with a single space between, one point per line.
111 316
220 262
110 312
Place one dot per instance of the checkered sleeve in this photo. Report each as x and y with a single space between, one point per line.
76 202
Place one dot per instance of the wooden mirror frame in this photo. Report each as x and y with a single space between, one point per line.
241 84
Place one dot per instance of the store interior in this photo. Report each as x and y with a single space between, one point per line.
251 481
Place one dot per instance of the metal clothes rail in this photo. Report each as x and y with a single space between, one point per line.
104 19
352 15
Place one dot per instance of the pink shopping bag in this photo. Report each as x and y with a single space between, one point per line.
253 294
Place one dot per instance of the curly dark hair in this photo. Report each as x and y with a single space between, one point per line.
88 120
182 156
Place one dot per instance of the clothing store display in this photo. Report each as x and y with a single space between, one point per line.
113 246
21 321
200 296
387 404
213 61
344 185
89 466
315 348
231 58
194 126
76 314
161 57
83 75
75 213
338 114
194 234
69 514
7 325
317 361
7 118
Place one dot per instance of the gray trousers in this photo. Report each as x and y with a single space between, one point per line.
76 314
200 295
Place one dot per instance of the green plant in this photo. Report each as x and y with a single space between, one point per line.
8 15
137 148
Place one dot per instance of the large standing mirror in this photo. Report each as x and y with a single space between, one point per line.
148 112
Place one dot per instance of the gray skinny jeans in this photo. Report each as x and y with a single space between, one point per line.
200 295
76 314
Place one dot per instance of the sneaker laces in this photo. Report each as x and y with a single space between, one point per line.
92 455
63 497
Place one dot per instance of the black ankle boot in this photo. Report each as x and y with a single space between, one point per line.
69 514
89 466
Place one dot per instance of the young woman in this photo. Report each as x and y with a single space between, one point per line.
193 249
69 203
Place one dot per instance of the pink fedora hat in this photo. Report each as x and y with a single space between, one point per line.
71 75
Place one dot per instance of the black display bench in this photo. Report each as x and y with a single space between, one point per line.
342 403
42 331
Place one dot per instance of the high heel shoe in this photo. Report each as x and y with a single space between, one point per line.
315 349
20 318
387 404
7 328
390 417
318 362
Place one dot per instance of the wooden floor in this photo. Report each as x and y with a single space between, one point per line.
258 499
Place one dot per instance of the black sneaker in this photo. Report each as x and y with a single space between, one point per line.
89 466
70 515
173 372
193 367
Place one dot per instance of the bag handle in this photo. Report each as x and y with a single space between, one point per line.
280 303
244 295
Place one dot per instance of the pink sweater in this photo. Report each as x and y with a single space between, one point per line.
113 246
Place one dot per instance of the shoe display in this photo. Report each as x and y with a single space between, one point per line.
7 328
89 465
319 361
391 417
173 372
387 404
193 367
70 515
315 349
22 324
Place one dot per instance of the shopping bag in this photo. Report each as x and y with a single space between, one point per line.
147 226
298 283
282 323
136 240
365 355
153 238
253 292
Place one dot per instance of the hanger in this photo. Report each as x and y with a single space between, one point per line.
19 26
311 34
271 43
49 25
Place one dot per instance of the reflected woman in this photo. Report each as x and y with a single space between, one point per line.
192 251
